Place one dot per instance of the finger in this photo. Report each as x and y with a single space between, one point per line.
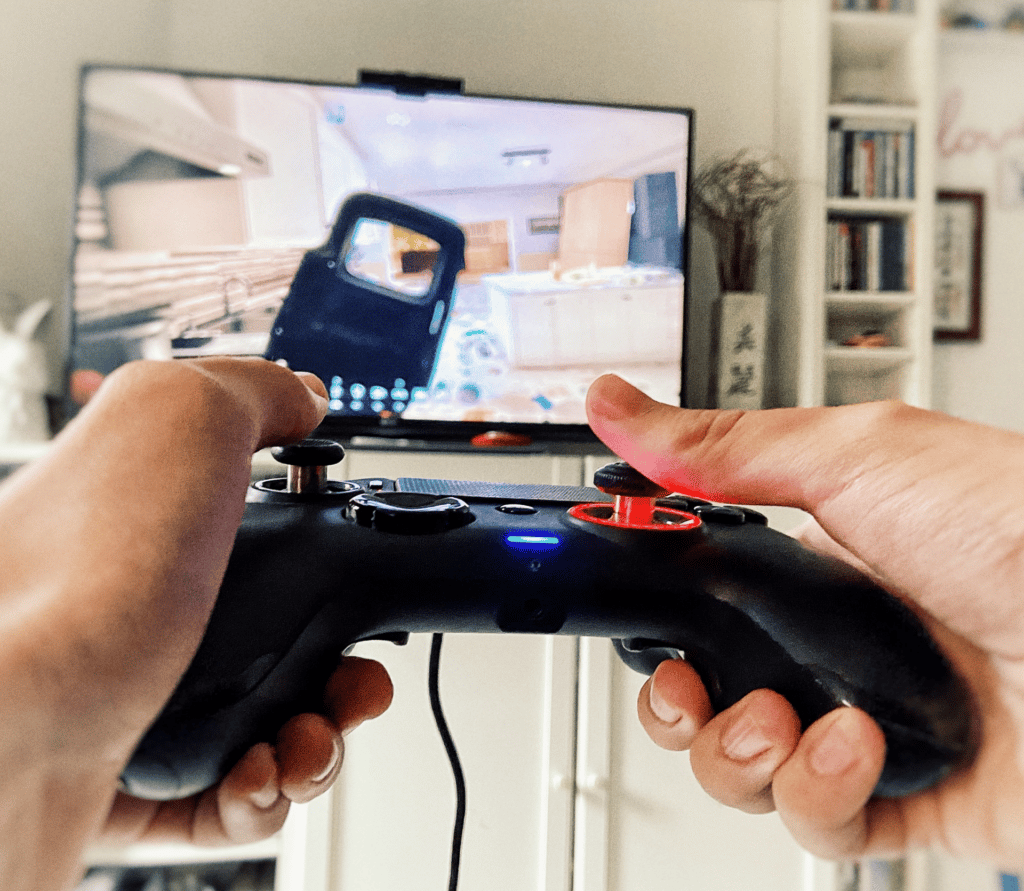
359 690
309 753
856 468
246 806
285 406
736 755
673 705
822 791
751 457
83 385
312 382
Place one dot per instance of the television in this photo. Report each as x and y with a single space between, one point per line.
447 263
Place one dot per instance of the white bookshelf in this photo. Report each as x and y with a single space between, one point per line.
862 71
877 68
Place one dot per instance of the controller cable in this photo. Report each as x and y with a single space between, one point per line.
453 758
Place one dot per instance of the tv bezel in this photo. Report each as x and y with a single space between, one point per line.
398 431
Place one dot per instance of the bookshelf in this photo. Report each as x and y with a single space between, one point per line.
853 255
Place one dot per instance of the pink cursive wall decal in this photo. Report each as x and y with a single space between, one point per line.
956 140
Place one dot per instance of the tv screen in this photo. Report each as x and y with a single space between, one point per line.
446 263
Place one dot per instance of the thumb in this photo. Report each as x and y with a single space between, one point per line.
762 457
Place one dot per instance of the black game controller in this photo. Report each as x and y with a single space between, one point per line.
319 565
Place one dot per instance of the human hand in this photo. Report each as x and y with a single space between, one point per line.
926 504
114 546
252 801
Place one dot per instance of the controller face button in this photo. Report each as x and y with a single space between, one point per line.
409 513
517 510
682 502
663 519
754 516
721 514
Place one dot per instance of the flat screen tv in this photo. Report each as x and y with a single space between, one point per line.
446 263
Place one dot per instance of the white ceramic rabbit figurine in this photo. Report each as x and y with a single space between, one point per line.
23 378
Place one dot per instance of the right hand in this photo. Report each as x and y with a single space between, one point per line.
930 506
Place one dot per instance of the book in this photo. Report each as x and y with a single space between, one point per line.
867 254
870 159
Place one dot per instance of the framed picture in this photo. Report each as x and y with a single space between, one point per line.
959 222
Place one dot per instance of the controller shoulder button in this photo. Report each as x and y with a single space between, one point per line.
754 516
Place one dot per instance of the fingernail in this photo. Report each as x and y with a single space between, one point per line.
663 710
834 753
745 740
331 763
267 796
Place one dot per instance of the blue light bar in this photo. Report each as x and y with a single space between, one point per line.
522 541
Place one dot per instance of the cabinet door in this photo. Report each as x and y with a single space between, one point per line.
642 819
532 319
509 705
595 224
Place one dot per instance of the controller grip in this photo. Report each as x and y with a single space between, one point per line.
201 734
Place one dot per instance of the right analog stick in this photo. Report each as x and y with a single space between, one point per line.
634 493
622 480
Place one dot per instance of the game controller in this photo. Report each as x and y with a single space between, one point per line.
319 565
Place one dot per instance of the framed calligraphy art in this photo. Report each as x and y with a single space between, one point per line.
738 378
959 227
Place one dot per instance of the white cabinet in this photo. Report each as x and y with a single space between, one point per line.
509 704
565 791
601 322
854 250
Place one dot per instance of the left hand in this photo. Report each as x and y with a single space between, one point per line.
252 801
113 548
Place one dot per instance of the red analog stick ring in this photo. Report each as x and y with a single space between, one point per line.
664 519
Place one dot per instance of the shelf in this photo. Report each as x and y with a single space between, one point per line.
867 301
872 58
866 360
896 207
175 854
868 37
877 110
854 83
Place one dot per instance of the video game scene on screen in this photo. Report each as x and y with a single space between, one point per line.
202 197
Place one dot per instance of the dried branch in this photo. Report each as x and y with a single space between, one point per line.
736 198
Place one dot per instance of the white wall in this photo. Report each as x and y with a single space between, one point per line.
41 47
981 77
717 56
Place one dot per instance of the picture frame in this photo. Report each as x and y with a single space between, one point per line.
959 229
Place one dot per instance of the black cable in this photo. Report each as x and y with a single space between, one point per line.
453 758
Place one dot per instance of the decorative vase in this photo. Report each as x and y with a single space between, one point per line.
740 333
